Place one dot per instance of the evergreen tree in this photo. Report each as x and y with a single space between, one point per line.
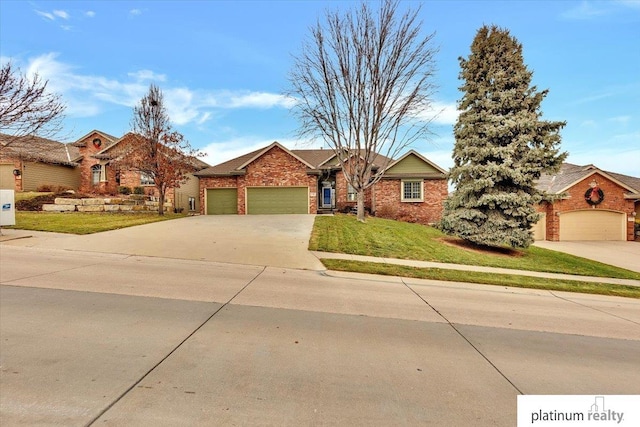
502 146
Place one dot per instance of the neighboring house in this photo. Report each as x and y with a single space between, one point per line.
590 204
275 180
28 163
100 176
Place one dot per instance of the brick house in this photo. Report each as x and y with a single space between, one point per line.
588 204
275 180
29 162
84 166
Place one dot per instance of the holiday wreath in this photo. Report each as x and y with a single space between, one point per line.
594 196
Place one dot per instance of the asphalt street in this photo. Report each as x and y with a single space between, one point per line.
106 339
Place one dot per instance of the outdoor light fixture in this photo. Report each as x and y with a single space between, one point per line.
16 172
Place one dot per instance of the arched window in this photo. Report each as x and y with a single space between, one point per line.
96 174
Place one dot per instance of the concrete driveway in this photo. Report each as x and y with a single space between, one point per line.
621 254
267 240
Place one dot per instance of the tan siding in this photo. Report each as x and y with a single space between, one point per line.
37 174
7 181
186 190
412 164
539 228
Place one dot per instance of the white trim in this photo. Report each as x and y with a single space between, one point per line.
402 198
593 172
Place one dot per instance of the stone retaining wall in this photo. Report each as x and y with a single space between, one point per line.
103 205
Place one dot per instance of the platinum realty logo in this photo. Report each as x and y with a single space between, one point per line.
579 410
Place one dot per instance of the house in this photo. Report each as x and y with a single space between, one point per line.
588 203
29 163
276 180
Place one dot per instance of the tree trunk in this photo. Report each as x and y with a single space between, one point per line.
360 205
160 202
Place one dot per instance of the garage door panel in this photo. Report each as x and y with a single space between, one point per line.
539 229
278 200
592 225
222 201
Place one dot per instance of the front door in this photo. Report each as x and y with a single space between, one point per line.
326 197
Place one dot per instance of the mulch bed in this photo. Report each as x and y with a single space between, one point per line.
488 250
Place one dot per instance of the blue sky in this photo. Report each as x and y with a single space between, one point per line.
223 65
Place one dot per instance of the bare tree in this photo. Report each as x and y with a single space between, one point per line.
363 82
26 108
154 149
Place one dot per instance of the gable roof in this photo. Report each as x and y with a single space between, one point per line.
104 153
570 174
268 148
35 148
110 139
419 156
314 159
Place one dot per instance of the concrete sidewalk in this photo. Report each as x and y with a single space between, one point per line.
461 267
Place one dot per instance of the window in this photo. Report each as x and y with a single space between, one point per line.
146 179
411 191
192 203
96 174
352 196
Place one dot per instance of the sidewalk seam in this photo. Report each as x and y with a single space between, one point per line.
153 368
465 338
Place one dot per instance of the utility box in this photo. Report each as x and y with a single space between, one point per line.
7 207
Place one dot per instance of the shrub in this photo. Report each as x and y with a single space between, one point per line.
387 211
52 188
138 190
124 190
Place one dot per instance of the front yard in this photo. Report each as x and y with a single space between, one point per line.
393 239
84 223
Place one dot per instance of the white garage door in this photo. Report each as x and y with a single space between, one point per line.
592 225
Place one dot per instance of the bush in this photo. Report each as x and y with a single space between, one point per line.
138 190
387 211
52 188
124 190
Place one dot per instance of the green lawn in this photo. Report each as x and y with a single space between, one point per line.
84 223
393 239
512 280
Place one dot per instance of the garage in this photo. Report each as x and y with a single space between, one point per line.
6 177
277 200
539 229
592 225
222 201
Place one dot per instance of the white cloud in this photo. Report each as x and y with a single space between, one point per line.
221 151
53 15
623 120
135 12
440 113
147 75
47 15
88 95
260 100
90 13
584 11
61 14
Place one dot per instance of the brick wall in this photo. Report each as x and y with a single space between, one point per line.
217 182
341 194
389 204
275 168
613 200
86 184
